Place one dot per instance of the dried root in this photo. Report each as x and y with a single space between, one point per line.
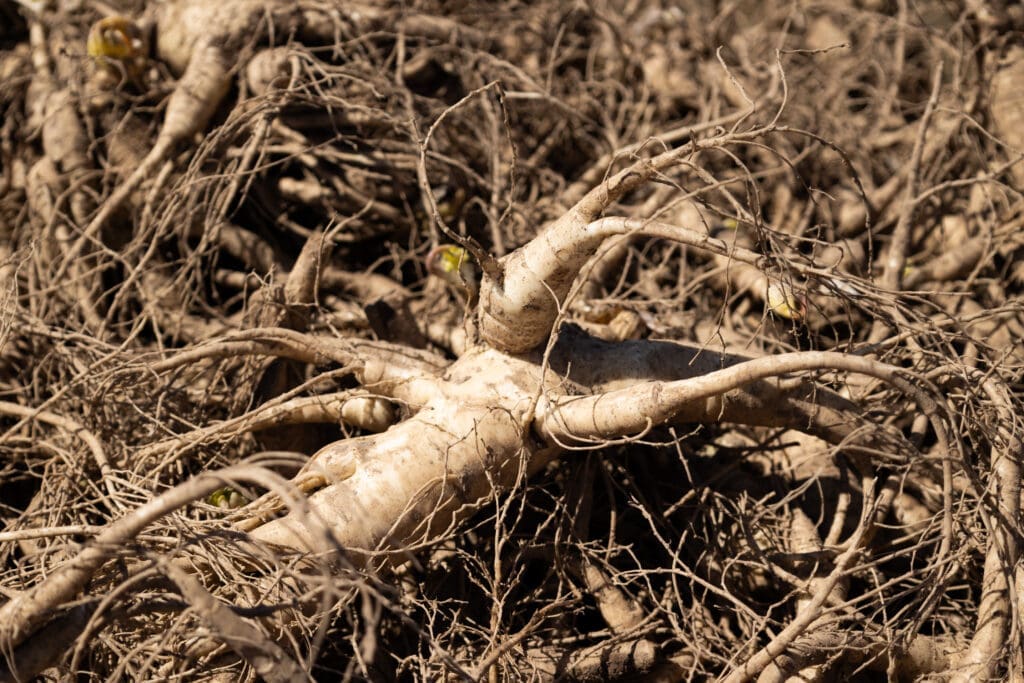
520 342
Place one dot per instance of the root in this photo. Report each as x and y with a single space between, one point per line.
716 384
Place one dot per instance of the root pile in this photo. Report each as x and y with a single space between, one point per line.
867 153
